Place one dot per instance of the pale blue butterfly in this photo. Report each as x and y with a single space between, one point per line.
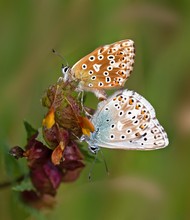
126 120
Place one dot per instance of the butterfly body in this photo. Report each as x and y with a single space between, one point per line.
107 67
127 121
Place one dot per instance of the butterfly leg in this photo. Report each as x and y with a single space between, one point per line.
106 166
92 167
100 94
94 150
81 93
60 79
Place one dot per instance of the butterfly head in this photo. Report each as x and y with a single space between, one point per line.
66 73
93 148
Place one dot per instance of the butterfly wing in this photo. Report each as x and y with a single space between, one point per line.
126 120
107 66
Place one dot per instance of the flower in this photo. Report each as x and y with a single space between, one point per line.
52 154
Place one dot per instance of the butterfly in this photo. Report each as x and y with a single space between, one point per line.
105 68
126 120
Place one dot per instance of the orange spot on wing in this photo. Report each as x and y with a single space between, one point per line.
143 111
131 101
137 107
145 117
120 98
142 127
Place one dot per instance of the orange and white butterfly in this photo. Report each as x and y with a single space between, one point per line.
107 67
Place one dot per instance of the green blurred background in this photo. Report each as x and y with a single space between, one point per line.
142 185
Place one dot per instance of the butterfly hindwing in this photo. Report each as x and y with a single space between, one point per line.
126 120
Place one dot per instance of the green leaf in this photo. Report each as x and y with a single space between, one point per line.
25 184
40 137
29 130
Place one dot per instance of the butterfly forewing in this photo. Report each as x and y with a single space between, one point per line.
106 67
128 121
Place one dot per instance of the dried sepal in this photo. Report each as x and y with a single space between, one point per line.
57 153
17 152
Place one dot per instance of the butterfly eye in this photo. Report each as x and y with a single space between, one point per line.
65 69
93 149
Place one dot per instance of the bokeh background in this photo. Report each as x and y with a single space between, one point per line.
142 185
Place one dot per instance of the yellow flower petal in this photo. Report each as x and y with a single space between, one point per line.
86 125
49 120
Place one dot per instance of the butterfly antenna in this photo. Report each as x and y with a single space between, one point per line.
106 166
92 167
59 55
